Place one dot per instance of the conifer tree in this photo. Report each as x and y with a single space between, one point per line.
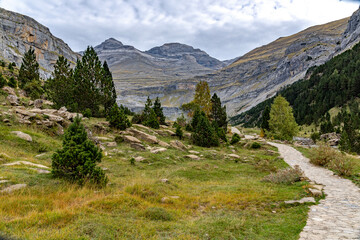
88 77
204 134
60 87
29 78
108 88
282 122
12 82
195 119
179 132
147 109
76 161
117 118
2 81
159 111
265 119
218 113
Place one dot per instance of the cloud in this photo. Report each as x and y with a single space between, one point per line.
223 28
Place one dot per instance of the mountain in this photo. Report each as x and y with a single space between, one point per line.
259 74
133 69
18 33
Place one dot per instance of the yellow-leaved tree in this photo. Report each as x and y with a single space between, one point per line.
202 100
282 123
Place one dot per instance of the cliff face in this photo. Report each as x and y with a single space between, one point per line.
259 74
18 33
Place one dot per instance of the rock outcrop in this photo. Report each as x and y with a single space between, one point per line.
18 33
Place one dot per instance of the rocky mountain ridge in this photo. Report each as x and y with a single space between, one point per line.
18 33
259 74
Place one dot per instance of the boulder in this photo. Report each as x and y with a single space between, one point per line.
139 159
194 152
165 133
158 150
193 157
9 90
22 135
138 146
38 103
234 156
178 145
111 144
25 113
22 93
164 144
131 139
315 192
332 139
144 136
13 100
13 188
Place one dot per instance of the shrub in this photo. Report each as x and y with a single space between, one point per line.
87 113
315 136
119 139
322 155
132 161
326 156
235 139
157 213
181 120
285 176
179 132
117 118
76 161
2 81
12 82
255 145
137 119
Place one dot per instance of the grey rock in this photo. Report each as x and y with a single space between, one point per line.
13 100
178 145
301 201
38 103
9 90
144 136
138 146
22 135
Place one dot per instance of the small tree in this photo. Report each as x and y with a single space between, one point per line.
2 81
149 116
202 97
265 119
282 122
159 111
179 132
60 87
204 134
76 161
12 82
117 118
218 113
29 70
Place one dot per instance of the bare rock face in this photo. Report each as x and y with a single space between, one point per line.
19 32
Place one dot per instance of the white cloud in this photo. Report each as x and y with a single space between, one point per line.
223 28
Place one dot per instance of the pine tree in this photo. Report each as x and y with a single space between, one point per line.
147 109
265 121
282 122
29 78
204 134
88 77
76 161
117 118
12 82
151 120
159 111
218 113
108 88
195 119
60 87
179 132
2 81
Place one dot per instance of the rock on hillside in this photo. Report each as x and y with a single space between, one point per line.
133 69
18 33
259 74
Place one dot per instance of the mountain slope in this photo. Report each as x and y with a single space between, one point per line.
18 33
260 73
133 69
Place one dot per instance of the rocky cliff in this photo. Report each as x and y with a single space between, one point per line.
259 74
18 33
138 74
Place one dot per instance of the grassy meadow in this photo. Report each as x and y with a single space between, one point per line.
216 197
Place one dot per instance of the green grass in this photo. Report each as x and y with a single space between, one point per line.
212 198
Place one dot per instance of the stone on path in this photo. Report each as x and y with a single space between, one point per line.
22 135
303 200
315 192
338 215
13 188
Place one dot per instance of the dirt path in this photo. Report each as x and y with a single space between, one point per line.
338 215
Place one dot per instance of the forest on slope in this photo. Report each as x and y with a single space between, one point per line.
333 84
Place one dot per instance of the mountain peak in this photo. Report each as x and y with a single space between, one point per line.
110 44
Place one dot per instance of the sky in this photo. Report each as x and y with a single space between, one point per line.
225 29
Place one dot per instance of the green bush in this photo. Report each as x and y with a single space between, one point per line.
315 136
255 145
204 134
117 118
179 132
159 214
87 113
235 139
12 82
137 118
76 161
2 81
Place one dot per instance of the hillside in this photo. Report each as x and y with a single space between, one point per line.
19 32
332 84
260 73
133 69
